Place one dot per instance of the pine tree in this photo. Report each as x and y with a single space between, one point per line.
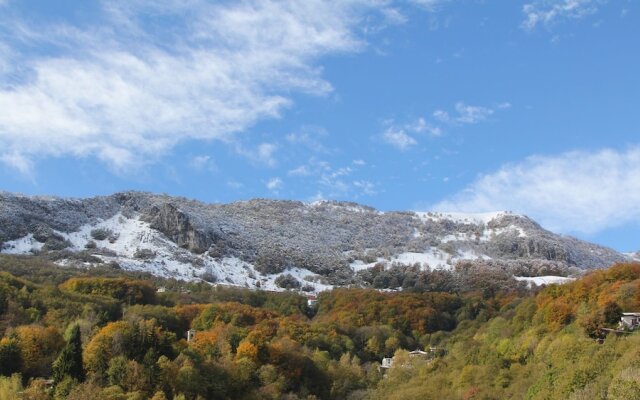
69 362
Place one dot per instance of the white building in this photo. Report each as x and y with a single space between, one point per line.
312 301
629 321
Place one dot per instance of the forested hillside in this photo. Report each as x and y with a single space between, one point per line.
109 334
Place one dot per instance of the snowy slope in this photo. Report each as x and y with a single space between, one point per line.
321 243
132 237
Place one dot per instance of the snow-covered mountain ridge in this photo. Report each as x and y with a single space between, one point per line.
259 243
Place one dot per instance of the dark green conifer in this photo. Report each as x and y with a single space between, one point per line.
69 362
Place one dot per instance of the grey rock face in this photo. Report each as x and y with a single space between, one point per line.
322 237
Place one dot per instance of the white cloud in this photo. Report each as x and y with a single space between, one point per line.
127 90
398 138
266 153
274 184
422 126
466 114
18 162
402 136
302 170
334 182
578 191
431 5
366 187
200 163
309 136
545 12
359 162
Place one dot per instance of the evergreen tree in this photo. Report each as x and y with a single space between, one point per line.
10 360
69 362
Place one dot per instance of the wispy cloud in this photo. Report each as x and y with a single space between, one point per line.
367 187
466 114
578 191
263 154
127 90
202 162
546 12
403 136
20 163
309 137
274 184
398 138
334 182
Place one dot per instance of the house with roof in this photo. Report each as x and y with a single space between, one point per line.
629 321
433 352
312 301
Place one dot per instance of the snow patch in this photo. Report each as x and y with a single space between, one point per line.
544 280
24 245
633 256
462 218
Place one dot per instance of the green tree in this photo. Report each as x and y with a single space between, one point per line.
69 362
10 360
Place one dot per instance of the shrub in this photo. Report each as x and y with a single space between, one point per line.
101 233
287 282
144 254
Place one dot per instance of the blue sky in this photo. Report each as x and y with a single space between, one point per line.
530 106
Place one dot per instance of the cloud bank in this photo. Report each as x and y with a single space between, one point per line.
150 74
582 192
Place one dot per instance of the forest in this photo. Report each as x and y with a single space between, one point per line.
105 333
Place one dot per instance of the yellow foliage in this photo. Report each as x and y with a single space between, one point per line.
247 350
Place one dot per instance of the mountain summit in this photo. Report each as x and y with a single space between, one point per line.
273 244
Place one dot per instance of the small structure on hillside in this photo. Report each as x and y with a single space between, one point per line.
161 289
387 363
430 355
312 301
630 321
191 334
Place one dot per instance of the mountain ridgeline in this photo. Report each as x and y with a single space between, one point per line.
274 244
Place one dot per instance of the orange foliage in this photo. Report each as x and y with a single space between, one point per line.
188 312
421 312
212 342
39 347
232 313
247 350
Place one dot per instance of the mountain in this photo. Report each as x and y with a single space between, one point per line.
272 244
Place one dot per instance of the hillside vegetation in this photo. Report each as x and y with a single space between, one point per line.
109 334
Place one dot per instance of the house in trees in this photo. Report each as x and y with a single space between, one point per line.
387 363
312 301
629 321
191 333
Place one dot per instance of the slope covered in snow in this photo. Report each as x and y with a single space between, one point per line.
133 245
253 243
